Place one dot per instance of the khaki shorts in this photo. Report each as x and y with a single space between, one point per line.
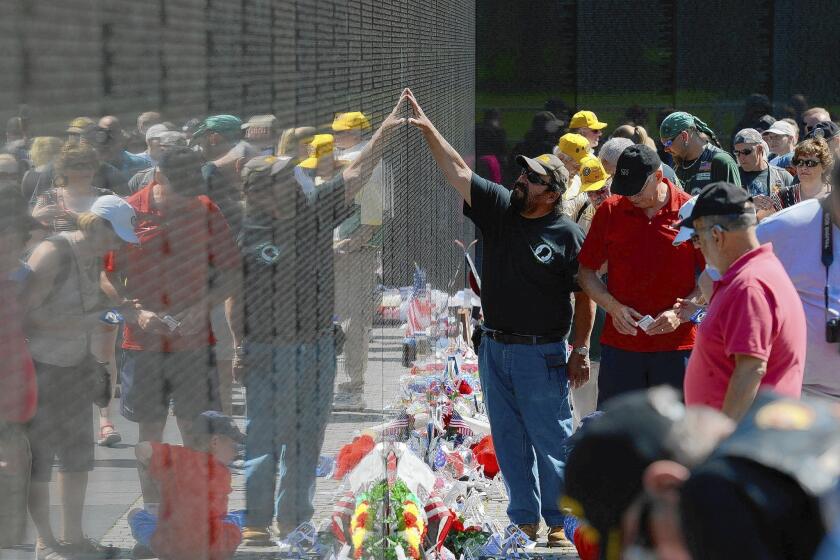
63 424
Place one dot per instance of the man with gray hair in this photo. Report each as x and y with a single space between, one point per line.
645 341
158 145
754 333
757 175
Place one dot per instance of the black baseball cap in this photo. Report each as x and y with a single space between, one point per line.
825 129
634 166
719 198
546 164
604 470
213 423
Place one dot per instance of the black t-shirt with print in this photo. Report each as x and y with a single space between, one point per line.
529 266
289 283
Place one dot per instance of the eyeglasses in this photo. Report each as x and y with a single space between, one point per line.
534 177
744 152
805 162
695 237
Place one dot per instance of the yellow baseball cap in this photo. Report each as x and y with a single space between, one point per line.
79 124
351 121
574 145
321 145
587 119
592 174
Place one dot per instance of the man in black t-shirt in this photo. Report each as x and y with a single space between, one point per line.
286 241
529 272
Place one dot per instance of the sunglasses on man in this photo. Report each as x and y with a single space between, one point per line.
534 177
744 152
667 143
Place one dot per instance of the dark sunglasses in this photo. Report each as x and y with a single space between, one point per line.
667 143
744 152
804 162
534 177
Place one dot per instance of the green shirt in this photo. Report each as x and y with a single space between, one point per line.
713 165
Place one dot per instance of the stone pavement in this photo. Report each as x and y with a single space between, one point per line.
114 488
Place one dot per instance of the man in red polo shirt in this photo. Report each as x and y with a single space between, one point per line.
632 233
187 262
754 333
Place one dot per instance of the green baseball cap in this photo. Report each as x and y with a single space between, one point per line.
226 125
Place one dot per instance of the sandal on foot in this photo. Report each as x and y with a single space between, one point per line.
89 549
108 435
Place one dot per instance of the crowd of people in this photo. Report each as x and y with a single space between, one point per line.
714 271
218 251
221 250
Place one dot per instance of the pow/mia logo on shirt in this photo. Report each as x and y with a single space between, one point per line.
625 172
268 253
544 253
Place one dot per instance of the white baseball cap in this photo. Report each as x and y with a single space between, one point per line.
783 128
155 131
685 233
119 214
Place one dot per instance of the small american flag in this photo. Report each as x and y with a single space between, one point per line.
398 428
419 315
457 423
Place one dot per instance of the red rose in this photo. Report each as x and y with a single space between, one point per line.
464 388
361 520
457 525
410 519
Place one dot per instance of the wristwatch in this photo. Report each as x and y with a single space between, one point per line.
582 350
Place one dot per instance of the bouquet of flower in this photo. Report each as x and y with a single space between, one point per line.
461 538
391 509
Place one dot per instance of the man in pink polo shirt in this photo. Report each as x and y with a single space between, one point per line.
753 334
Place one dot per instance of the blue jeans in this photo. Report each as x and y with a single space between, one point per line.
289 392
622 371
526 389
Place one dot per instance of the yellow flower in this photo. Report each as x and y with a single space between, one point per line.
412 536
359 538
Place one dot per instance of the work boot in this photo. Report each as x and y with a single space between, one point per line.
556 537
256 536
530 530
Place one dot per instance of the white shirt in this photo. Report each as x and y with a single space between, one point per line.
796 236
376 197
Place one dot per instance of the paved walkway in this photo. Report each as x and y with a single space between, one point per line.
114 488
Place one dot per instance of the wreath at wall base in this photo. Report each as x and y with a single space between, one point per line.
388 522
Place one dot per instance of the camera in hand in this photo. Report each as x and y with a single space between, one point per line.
832 330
